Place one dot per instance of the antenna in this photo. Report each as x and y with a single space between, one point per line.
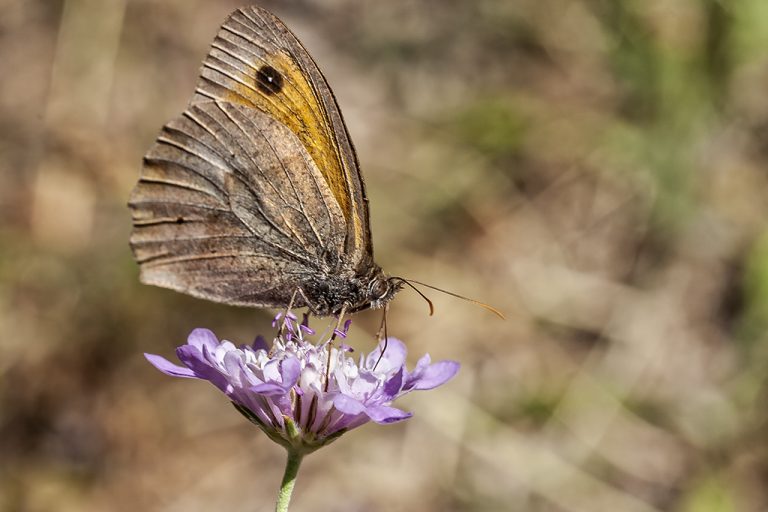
411 282
431 306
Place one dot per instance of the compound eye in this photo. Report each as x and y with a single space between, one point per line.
379 288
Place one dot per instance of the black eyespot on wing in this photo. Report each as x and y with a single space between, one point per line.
269 80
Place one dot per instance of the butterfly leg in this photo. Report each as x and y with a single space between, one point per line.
382 330
310 306
383 326
330 342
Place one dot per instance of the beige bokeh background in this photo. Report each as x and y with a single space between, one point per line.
594 168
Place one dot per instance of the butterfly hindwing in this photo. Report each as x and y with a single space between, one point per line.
231 207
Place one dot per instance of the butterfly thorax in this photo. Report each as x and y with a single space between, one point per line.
336 292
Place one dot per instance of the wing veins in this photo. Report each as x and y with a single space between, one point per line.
149 262
245 152
161 161
286 77
157 221
170 183
178 203
267 25
207 64
201 237
302 209
264 175
320 193
188 150
249 39
201 92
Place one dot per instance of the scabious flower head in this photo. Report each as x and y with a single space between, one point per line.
291 392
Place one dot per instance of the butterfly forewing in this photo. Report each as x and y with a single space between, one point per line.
257 62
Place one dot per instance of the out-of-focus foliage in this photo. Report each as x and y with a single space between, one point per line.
597 169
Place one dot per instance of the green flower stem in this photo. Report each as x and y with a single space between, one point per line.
289 480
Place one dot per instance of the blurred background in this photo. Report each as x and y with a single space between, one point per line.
597 169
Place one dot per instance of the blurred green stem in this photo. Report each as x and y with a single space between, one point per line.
289 480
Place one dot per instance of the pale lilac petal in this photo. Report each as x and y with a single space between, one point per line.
385 414
435 375
233 365
209 355
272 371
364 384
282 381
192 358
203 338
169 368
422 364
348 405
393 359
268 388
342 382
290 370
225 346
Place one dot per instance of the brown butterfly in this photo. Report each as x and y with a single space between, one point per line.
253 196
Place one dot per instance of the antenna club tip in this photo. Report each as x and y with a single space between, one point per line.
494 311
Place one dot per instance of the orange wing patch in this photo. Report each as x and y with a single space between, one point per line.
251 63
294 109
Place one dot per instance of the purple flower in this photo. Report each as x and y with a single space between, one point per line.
288 390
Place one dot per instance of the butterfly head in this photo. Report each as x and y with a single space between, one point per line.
375 291
382 289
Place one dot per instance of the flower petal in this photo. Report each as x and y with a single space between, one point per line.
385 414
434 375
393 359
422 364
393 386
290 371
348 405
193 359
363 385
269 389
233 364
271 371
203 338
169 368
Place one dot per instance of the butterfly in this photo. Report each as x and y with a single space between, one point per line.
253 196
